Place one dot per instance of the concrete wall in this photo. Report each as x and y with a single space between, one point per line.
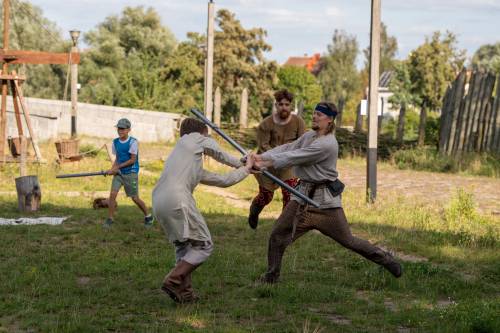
52 118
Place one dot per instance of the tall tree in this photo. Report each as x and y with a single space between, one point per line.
301 83
401 87
125 61
388 51
487 58
184 70
239 62
30 30
339 78
432 66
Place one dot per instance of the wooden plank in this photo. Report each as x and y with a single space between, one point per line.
495 142
27 117
487 122
495 109
16 110
444 120
485 100
38 57
12 77
455 107
466 113
474 112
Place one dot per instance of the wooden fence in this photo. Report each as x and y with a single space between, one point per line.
470 118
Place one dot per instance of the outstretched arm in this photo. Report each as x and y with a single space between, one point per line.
212 149
301 156
228 179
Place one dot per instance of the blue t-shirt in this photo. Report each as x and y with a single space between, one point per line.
123 150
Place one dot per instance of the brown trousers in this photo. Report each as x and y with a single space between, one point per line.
296 220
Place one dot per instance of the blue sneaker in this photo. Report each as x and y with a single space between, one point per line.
108 222
148 220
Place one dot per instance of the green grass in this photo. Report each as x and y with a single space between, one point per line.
78 277
427 158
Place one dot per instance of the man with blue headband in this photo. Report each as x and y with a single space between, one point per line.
313 157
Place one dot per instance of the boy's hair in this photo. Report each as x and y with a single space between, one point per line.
283 94
191 125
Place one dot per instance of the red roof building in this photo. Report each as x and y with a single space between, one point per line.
309 63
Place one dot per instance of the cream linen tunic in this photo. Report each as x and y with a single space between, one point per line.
173 204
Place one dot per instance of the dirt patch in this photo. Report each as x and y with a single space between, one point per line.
390 305
428 187
334 318
444 303
83 280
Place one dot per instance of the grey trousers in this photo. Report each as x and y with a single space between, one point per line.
295 221
193 251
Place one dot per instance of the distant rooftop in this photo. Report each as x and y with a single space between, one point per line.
309 62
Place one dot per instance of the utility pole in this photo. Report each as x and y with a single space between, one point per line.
74 82
5 69
371 156
209 67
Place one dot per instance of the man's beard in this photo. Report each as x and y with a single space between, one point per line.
315 127
284 115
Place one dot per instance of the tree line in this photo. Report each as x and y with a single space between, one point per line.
132 60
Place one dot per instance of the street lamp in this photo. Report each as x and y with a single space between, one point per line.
74 36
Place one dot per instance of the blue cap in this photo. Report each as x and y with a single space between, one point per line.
123 123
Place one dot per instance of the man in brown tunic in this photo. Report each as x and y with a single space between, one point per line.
277 129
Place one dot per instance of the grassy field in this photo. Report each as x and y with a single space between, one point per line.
79 277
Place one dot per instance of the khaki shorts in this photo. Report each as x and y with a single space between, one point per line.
129 181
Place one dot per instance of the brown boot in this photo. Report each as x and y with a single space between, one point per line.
188 293
253 217
174 284
392 265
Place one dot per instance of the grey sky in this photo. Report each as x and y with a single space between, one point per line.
299 27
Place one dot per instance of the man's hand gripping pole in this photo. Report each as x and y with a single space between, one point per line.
233 143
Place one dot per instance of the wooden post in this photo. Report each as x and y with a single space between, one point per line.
27 117
456 106
444 119
5 70
29 194
371 157
244 109
495 121
300 111
74 94
473 88
217 107
22 158
209 62
475 105
484 111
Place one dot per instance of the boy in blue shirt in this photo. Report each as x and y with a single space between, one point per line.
125 171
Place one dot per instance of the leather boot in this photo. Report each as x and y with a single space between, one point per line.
174 284
253 217
187 292
392 265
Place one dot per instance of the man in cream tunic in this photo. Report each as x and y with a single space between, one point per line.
174 206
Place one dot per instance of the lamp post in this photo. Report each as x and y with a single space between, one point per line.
74 82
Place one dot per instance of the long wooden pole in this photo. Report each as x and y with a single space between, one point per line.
371 157
5 69
210 62
74 93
